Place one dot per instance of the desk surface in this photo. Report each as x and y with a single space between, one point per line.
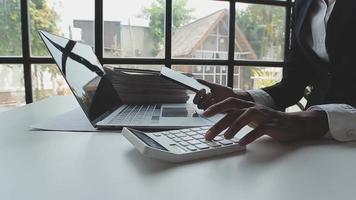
62 165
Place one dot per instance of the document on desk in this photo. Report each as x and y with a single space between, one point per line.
74 120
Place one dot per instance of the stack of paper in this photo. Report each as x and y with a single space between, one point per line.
137 86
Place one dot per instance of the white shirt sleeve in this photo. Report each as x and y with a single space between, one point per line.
341 118
259 96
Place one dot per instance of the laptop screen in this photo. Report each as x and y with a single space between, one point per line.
84 75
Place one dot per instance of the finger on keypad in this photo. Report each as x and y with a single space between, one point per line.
220 126
254 134
250 115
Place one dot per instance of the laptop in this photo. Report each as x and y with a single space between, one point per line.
99 100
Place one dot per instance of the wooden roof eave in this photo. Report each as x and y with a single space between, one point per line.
205 36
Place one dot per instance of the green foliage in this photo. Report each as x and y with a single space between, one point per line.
42 17
10 28
156 13
181 14
264 77
264 27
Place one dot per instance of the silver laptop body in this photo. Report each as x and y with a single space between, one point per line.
99 100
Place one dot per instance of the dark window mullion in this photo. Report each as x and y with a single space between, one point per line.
26 50
31 60
288 29
11 60
231 53
258 63
41 60
153 61
266 2
98 29
168 34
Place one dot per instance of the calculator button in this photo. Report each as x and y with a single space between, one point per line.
198 137
218 138
166 133
194 142
213 144
201 131
195 129
171 136
202 146
177 139
205 128
225 142
174 131
187 138
184 130
235 140
191 148
184 143
191 133
204 141
180 135
157 134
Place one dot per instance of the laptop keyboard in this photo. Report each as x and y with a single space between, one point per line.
133 114
192 139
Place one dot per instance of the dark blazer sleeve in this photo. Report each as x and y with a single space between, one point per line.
296 75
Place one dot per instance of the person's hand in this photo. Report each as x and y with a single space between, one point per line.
217 94
281 126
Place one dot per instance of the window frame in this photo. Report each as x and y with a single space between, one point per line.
27 60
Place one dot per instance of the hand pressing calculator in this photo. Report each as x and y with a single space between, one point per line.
181 145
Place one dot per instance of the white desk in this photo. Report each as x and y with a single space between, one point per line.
57 165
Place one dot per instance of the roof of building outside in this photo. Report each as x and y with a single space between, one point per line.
186 39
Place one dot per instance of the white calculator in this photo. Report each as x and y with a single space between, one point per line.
181 145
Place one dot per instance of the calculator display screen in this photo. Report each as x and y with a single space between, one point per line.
147 140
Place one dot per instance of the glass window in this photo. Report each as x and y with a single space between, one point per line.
223 44
10 28
134 28
211 73
247 78
12 90
71 19
200 29
48 81
260 32
210 43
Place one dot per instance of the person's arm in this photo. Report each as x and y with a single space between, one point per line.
341 119
259 96
282 126
296 76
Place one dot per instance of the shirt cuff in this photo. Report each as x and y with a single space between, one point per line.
259 96
341 119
